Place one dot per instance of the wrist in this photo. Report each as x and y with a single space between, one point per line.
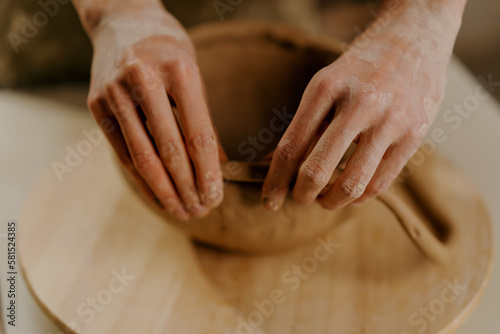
102 17
127 29
412 29
432 25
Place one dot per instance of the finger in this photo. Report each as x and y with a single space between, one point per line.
359 170
171 148
199 136
318 168
390 167
321 130
143 154
316 104
111 129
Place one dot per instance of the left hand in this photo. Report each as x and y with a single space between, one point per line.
384 95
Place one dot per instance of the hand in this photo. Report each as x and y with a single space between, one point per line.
384 95
144 63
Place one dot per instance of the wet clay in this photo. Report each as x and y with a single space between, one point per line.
255 75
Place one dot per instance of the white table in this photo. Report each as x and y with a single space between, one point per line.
36 126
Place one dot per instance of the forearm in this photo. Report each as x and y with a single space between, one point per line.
95 13
421 27
454 8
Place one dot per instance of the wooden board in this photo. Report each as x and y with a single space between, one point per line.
77 236
1 325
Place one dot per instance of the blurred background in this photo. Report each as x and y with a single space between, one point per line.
478 44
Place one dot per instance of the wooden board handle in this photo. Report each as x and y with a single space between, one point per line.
425 240
416 229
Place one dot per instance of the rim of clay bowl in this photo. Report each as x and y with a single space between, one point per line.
289 37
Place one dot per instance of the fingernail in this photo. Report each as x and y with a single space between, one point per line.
271 203
213 195
197 209
213 192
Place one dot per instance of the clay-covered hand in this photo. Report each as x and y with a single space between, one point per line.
384 93
144 64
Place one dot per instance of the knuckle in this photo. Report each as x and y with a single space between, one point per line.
93 16
415 136
203 142
412 143
324 85
142 78
351 188
287 152
136 74
135 70
170 151
182 67
313 174
95 103
111 89
372 152
116 101
143 161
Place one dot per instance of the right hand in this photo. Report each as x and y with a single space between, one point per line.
142 64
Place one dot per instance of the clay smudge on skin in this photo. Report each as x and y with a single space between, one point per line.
385 100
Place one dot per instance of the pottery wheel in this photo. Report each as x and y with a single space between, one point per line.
97 260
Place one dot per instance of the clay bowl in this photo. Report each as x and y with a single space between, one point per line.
255 75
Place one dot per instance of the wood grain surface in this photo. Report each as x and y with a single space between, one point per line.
97 260
1 324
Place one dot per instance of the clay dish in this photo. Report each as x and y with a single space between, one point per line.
255 75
